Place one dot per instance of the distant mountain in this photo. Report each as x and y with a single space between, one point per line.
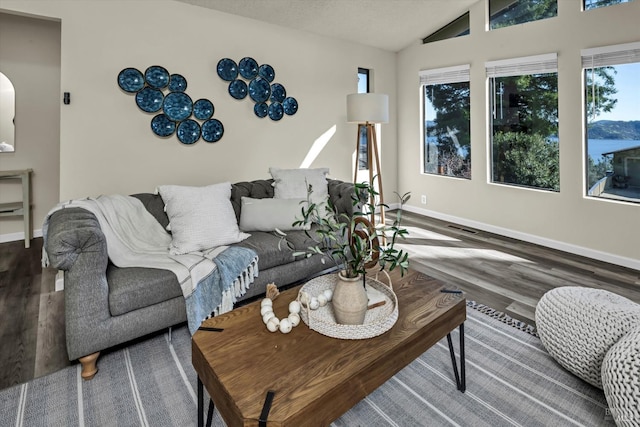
612 129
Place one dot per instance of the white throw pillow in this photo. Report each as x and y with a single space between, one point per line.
200 217
292 183
269 214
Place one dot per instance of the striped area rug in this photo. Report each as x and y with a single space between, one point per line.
511 381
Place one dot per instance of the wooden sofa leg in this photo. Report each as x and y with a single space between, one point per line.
89 367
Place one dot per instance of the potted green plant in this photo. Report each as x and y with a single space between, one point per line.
354 244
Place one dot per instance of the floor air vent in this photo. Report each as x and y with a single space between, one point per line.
466 230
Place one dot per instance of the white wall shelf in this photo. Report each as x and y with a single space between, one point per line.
22 208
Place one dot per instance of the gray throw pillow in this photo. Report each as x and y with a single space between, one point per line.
292 183
269 214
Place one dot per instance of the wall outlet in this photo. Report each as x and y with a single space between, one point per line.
423 199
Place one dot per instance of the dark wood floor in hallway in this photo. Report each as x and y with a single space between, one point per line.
506 274
31 315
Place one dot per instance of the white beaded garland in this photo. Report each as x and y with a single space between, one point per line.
267 316
304 298
316 302
273 323
294 307
266 301
322 300
294 318
272 326
285 325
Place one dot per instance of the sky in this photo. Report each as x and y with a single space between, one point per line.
628 85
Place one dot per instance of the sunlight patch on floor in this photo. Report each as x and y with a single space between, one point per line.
420 233
434 252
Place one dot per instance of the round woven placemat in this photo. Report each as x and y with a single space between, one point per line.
376 322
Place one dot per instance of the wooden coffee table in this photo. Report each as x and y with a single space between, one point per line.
315 378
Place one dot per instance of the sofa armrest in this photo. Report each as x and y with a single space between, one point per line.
74 232
76 244
341 195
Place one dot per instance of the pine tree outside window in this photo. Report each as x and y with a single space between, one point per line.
524 122
446 121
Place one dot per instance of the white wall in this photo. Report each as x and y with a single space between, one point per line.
106 144
30 58
566 220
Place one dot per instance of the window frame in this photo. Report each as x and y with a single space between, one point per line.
504 5
457 28
585 7
445 75
514 67
598 57
363 160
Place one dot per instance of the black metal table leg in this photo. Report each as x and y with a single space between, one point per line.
210 413
200 409
461 381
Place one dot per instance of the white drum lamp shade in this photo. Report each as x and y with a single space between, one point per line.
367 107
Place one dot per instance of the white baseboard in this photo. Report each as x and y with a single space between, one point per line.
12 237
59 281
542 241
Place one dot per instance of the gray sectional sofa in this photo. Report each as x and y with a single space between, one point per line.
106 305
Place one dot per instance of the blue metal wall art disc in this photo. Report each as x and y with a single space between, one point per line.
177 83
248 68
149 99
188 132
203 109
157 76
212 130
266 71
161 125
278 92
238 89
177 106
259 89
130 80
276 111
290 106
227 69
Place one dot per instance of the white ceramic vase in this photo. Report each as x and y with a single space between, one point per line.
349 300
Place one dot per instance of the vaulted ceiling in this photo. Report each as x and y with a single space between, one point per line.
386 24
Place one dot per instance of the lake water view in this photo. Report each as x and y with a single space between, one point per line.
598 146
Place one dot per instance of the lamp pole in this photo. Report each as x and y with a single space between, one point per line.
366 109
372 156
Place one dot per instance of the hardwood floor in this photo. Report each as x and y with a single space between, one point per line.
31 316
505 274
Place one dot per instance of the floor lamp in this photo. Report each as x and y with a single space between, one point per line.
367 109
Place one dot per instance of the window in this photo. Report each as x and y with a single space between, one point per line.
504 13
612 117
446 121
363 87
594 4
524 122
363 80
456 28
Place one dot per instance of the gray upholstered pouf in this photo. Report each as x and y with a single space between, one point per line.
579 325
621 379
